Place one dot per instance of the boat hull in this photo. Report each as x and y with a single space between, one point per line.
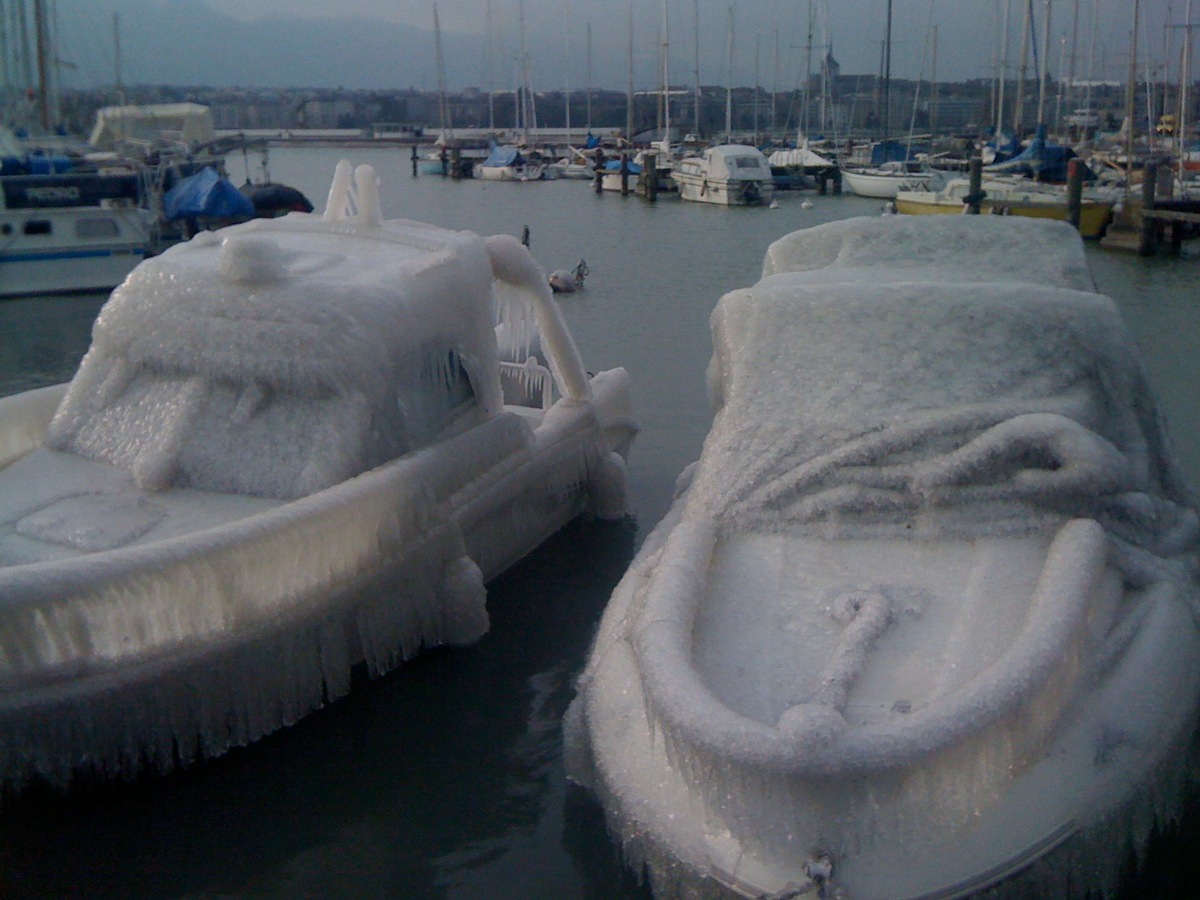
723 192
67 250
1094 216
881 186
511 173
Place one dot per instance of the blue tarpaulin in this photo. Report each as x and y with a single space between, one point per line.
1042 160
206 195
504 156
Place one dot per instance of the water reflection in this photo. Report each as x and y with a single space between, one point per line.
444 779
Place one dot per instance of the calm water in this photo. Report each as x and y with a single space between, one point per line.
445 779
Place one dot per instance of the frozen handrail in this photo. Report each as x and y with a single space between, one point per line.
534 379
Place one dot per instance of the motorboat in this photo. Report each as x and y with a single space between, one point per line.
67 231
296 447
727 175
885 180
922 618
1006 197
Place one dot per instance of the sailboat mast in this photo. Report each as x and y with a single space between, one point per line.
666 76
933 87
1041 110
1130 91
1185 66
1019 111
487 50
1003 70
629 83
567 72
887 74
42 32
805 99
729 85
696 69
589 77
443 105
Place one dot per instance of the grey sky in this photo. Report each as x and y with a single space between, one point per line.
389 43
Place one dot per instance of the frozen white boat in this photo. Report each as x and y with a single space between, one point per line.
727 175
922 620
295 446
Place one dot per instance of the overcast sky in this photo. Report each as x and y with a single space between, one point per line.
390 43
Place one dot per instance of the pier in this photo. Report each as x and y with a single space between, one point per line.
1148 222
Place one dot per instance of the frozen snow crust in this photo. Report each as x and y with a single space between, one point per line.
927 603
287 452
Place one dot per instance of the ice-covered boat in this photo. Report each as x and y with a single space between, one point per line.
295 446
922 620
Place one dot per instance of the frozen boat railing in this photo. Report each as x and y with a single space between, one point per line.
534 381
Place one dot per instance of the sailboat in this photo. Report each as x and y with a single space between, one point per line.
884 177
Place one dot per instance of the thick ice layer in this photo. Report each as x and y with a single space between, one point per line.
213 359
898 249
902 611
835 402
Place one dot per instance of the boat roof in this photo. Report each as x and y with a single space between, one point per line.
191 123
331 342
933 248
246 299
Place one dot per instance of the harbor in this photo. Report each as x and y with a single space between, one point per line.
446 778
648 461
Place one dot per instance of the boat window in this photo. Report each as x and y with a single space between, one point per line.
435 393
38 226
745 162
96 227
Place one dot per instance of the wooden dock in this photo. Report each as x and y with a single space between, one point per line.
1147 223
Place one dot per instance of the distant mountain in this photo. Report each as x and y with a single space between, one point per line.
187 42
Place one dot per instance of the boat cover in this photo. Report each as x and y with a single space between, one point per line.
504 156
206 194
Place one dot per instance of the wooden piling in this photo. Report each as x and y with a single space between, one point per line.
975 184
650 174
414 160
1074 192
456 164
624 174
1149 183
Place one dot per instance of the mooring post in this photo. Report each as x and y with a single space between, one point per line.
1149 183
624 174
650 173
414 160
1074 192
975 192
456 164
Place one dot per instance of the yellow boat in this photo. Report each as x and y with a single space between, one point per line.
1007 198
